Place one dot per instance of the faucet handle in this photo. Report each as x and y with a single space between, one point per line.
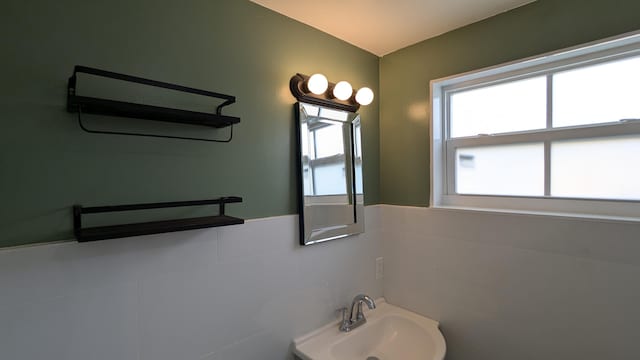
345 324
343 310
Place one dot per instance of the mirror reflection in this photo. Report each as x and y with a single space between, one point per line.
330 173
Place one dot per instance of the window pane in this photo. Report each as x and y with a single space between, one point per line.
333 114
330 179
596 94
514 106
329 140
596 168
501 170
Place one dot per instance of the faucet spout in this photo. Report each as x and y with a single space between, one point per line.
356 317
371 304
357 303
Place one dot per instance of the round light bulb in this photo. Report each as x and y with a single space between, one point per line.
317 84
364 96
342 90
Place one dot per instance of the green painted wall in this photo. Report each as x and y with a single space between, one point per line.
48 164
539 27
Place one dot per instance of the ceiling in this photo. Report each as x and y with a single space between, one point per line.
384 26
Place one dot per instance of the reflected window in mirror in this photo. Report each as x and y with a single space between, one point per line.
323 152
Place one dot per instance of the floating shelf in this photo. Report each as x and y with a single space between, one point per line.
153 227
91 105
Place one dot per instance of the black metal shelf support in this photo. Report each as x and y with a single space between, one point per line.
91 105
153 227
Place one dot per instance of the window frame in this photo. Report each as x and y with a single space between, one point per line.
443 148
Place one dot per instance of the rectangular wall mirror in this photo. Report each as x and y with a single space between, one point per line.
329 173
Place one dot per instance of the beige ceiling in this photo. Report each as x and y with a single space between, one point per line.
383 26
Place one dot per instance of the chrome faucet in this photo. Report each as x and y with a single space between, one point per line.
357 319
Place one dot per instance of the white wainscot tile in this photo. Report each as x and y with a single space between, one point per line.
181 313
373 220
96 324
257 294
259 236
55 270
260 346
184 251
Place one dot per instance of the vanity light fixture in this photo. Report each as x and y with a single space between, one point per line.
342 90
364 96
317 90
317 84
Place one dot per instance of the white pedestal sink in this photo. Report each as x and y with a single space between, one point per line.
391 333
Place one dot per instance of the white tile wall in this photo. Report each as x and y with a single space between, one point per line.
516 286
503 286
241 292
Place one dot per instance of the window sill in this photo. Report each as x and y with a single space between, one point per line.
547 214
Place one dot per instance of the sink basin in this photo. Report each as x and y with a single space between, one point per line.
391 333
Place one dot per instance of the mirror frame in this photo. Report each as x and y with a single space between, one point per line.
356 200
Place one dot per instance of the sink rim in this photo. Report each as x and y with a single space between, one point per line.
317 344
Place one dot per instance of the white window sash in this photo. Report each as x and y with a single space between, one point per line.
443 149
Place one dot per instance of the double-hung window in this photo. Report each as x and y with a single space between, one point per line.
558 133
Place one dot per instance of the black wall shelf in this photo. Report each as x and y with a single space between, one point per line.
91 105
153 227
